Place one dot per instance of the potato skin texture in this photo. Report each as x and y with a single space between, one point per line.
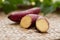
16 16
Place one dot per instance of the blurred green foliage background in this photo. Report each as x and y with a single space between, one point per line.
46 6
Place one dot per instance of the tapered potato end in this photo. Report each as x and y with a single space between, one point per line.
26 22
42 25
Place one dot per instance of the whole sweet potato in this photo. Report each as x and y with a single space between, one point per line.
16 16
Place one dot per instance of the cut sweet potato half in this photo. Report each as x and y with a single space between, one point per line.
28 20
42 24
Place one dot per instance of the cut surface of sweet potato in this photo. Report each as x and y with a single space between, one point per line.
40 22
42 25
26 22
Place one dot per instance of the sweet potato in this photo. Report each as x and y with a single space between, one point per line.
40 21
28 20
16 16
42 24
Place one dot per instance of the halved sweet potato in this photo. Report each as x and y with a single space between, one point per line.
28 20
42 24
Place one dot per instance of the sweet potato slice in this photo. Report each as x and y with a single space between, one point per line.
42 24
28 20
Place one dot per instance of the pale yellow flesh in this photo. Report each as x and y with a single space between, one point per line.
42 25
25 22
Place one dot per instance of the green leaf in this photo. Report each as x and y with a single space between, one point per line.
31 1
0 2
8 8
47 2
46 6
37 3
15 1
47 10
57 4
11 5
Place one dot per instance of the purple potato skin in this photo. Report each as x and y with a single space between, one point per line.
16 16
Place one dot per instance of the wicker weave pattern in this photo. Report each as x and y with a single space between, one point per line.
12 31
